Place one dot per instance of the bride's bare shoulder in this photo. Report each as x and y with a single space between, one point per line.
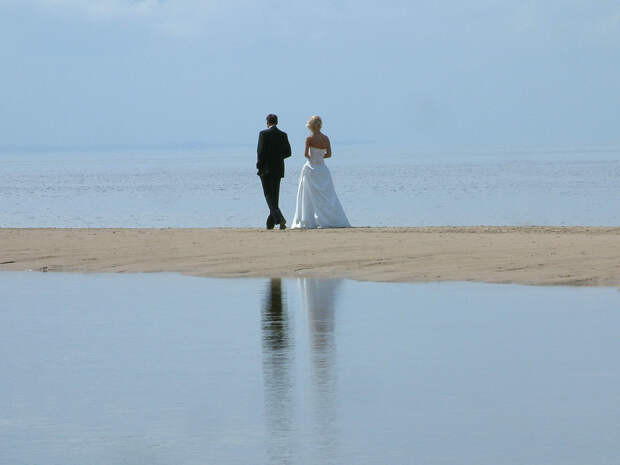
318 140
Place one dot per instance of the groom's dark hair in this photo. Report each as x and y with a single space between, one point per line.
272 119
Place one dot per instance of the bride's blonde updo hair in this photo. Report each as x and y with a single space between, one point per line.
314 123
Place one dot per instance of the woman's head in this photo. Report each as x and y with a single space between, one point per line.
314 123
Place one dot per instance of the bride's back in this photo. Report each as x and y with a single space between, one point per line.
317 155
319 140
318 147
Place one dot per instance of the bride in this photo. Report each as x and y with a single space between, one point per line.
317 203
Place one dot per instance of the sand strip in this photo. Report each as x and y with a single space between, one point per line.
576 256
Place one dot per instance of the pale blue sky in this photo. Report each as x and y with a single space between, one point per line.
425 73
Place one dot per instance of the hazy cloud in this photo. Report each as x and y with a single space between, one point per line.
481 71
506 19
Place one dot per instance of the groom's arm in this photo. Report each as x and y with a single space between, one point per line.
287 147
260 153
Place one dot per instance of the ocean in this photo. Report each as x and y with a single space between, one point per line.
377 186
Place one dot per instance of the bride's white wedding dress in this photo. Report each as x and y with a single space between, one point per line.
317 203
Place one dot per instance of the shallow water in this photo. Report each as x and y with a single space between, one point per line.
377 186
166 369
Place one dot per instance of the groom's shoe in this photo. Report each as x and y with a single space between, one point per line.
270 223
283 224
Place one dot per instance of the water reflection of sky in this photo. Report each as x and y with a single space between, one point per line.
105 369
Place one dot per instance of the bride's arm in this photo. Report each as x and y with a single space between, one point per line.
329 149
307 151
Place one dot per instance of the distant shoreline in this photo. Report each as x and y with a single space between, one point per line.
535 255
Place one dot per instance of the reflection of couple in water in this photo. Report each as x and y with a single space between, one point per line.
318 299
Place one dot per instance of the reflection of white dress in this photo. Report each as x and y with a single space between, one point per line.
317 203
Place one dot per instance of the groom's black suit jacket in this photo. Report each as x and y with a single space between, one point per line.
273 148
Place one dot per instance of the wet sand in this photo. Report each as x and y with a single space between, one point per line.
575 256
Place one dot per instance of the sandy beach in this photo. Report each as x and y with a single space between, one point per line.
575 256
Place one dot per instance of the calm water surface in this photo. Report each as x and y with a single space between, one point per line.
166 369
377 186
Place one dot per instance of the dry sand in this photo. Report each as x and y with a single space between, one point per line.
576 256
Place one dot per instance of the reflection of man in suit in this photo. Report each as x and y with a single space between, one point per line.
278 353
273 148
275 322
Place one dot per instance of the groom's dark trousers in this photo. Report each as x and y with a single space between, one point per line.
271 189
273 148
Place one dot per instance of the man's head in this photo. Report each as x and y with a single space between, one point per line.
272 119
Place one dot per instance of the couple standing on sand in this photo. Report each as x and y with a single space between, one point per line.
317 203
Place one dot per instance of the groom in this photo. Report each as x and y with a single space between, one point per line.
273 148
